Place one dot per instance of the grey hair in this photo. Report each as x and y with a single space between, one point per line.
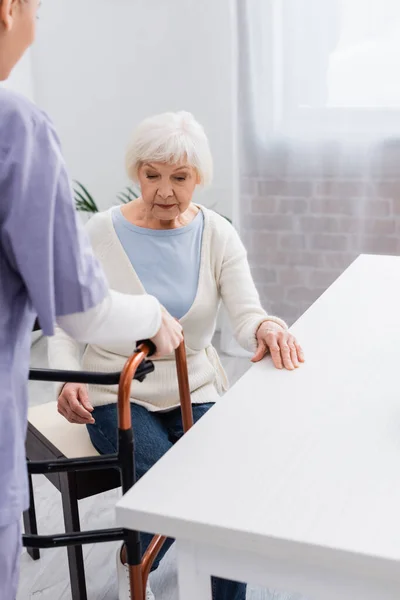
171 137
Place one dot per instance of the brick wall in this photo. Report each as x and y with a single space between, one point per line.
303 230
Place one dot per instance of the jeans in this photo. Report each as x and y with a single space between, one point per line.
155 434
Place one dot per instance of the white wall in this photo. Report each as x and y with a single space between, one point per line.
21 78
100 66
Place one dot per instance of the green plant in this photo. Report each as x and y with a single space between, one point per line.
128 195
84 201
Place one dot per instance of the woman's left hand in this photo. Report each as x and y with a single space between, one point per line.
282 345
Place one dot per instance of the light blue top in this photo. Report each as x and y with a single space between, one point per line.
167 261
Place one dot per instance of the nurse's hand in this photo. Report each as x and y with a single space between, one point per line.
73 404
169 336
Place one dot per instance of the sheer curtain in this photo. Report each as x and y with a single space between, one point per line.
319 118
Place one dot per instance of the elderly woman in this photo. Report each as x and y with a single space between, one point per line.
190 258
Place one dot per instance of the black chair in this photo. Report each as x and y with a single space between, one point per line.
76 477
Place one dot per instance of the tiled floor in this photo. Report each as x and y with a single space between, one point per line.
48 578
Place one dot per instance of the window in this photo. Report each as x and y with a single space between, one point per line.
337 65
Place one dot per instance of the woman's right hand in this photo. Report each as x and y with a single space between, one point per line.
73 404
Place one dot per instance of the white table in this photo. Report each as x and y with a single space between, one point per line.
292 480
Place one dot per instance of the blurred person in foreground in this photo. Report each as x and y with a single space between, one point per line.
47 270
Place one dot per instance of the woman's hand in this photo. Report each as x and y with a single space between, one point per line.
73 404
283 347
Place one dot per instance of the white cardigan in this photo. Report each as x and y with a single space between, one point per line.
224 275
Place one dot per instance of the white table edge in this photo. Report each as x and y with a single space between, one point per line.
338 560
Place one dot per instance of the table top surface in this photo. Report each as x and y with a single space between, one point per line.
306 463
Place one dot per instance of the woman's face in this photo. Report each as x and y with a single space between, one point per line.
18 26
167 190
